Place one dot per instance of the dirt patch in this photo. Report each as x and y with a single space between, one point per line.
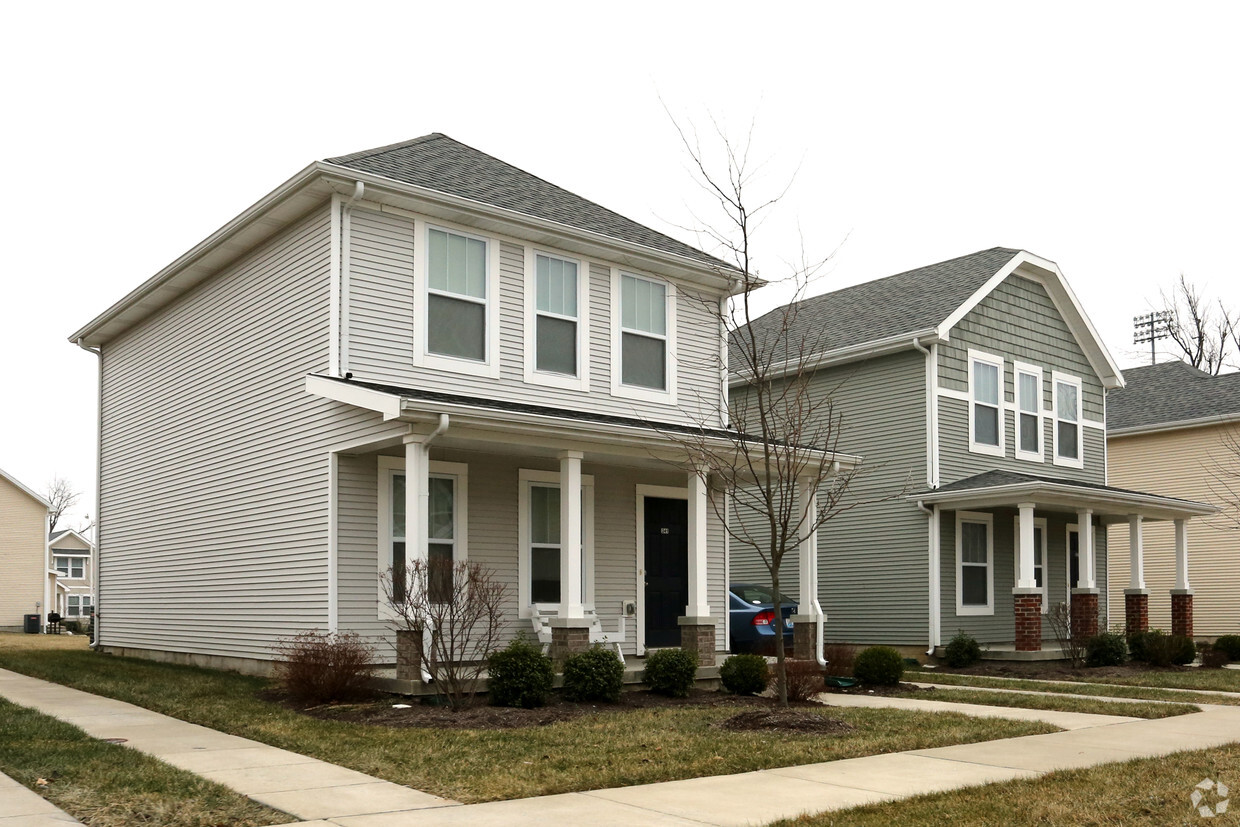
783 720
897 689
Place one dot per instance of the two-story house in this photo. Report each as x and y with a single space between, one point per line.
416 352
975 389
27 586
72 555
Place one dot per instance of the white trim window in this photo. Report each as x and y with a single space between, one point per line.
457 299
643 341
73 568
78 605
1069 449
447 521
1028 412
975 572
1039 557
986 392
539 532
556 320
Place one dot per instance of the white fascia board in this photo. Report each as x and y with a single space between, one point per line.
1180 425
24 489
1063 494
722 277
388 404
844 355
65 534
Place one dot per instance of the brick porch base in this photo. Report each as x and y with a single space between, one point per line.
1084 613
804 639
568 640
1028 611
698 638
1182 612
409 655
1136 611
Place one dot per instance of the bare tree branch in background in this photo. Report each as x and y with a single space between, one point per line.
62 496
1223 469
1199 330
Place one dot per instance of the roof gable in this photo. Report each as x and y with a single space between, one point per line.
1172 393
27 491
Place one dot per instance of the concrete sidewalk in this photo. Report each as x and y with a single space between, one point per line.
20 807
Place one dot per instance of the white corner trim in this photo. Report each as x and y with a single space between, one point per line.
533 376
334 282
618 388
998 362
989 521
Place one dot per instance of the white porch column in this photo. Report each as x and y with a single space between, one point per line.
1086 574
1025 575
1181 555
571 605
698 606
1136 553
417 497
807 546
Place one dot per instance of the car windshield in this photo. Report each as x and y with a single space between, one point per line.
757 595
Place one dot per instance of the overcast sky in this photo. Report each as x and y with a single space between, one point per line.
1101 136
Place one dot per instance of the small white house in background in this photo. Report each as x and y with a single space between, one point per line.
26 585
413 352
71 555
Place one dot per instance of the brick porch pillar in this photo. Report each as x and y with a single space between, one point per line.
568 640
1182 612
1028 611
1136 611
804 638
409 655
697 635
1084 613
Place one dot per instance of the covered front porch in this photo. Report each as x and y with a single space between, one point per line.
1012 546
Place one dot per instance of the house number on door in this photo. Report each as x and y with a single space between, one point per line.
664 531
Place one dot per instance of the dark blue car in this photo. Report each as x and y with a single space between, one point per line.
751 610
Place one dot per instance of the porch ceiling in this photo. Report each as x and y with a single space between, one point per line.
1000 489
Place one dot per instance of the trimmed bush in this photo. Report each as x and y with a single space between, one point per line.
839 658
804 679
1157 648
962 650
745 674
670 672
596 674
1230 644
519 675
1211 656
1106 649
318 667
879 665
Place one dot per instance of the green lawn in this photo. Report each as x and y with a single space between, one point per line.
1070 688
607 749
1088 705
105 785
1148 791
1216 680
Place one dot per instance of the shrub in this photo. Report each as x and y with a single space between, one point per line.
840 658
670 672
318 667
803 679
74 626
1106 649
520 675
1229 644
596 674
1211 656
745 674
1157 648
962 650
879 665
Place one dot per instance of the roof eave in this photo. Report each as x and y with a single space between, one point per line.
1056 493
1175 425
844 355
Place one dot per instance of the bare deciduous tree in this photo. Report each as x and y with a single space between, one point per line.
1200 330
62 496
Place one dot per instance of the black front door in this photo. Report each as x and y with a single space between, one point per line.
667 568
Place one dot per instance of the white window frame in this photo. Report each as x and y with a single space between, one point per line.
618 388
392 466
998 362
550 479
1019 368
69 561
1039 523
963 517
1057 379
80 597
422 356
580 382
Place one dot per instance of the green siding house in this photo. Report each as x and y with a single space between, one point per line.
975 389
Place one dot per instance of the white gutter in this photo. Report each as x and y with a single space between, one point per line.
1201 422
933 581
46 568
820 617
851 353
346 255
94 551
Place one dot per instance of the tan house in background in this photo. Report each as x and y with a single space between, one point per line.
26 585
71 557
1168 430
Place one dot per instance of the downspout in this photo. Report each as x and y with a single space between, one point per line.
820 617
932 481
442 426
346 254
932 582
94 555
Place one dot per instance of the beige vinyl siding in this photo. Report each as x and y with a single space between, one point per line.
1183 463
70 544
214 476
493 538
872 559
1017 321
382 327
23 561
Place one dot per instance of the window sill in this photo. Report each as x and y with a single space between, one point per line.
1068 462
988 450
557 380
975 611
454 365
1029 456
667 397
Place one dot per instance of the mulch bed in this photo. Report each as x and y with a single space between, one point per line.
897 689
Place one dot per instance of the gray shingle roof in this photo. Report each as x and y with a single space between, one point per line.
901 304
445 165
1171 392
994 479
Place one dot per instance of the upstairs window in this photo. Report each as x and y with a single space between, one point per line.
456 302
1068 449
71 567
643 333
556 311
1028 412
985 403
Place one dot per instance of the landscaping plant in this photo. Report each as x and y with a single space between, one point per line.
804 679
319 667
670 672
1211 656
519 675
1072 645
879 665
1106 649
596 674
1230 644
745 674
1157 648
839 658
962 650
